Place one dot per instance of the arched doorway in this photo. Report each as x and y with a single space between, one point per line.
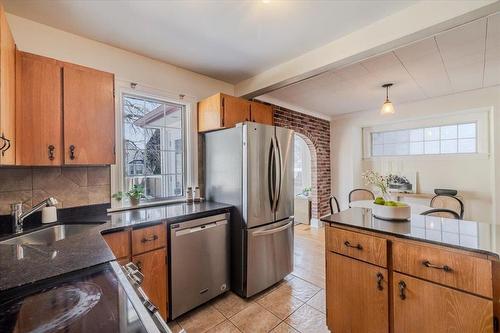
304 178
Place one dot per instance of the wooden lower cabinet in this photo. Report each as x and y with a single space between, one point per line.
153 266
422 306
357 296
119 243
151 263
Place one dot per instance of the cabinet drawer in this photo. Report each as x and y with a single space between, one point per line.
449 268
359 246
147 239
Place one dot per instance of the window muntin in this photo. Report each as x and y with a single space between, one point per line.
447 139
154 146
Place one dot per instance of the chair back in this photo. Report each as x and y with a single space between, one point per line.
448 202
334 205
361 194
442 212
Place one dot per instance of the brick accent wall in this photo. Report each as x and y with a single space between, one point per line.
316 133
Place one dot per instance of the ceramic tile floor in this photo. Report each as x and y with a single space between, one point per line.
296 304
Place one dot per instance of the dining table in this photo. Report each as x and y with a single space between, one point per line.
416 209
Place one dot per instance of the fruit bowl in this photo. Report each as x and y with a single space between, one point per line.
391 211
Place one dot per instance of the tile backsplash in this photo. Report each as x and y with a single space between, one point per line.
71 186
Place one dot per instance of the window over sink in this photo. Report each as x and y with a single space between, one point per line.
154 153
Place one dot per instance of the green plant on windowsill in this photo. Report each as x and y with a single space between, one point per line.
135 194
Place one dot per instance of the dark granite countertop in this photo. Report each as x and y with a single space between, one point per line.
466 235
23 264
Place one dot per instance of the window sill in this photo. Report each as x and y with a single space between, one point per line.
118 206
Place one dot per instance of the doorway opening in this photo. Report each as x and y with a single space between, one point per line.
302 174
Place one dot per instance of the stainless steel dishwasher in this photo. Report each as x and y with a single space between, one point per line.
199 261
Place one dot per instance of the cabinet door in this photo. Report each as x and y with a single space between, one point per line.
153 266
38 110
89 116
261 113
421 306
356 295
7 92
235 110
119 243
210 113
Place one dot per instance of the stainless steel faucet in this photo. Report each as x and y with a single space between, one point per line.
16 212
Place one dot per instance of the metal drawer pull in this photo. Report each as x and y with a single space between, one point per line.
445 268
6 144
402 287
380 279
358 246
149 239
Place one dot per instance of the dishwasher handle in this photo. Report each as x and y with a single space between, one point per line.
203 227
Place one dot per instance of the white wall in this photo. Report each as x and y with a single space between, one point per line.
477 177
154 77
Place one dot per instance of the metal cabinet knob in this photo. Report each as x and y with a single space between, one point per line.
72 152
402 288
380 280
51 149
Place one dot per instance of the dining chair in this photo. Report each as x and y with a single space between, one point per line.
448 202
442 212
360 194
333 201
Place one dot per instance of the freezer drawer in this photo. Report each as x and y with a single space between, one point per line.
269 255
200 261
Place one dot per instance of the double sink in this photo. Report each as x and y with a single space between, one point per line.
48 235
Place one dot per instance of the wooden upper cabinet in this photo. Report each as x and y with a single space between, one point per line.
225 111
39 111
261 113
357 296
235 110
421 306
7 92
89 116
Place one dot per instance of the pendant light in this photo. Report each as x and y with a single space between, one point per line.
387 108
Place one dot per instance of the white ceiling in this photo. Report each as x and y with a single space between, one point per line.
228 40
464 58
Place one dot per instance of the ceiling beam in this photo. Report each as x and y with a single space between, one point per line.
416 22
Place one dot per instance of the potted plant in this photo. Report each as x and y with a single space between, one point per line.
134 194
385 208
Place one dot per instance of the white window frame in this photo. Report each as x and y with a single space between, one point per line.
479 116
190 139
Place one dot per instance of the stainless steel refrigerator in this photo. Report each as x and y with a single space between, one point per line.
251 167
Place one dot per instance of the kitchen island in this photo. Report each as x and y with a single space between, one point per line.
428 274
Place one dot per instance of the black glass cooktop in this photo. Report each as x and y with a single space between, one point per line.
87 301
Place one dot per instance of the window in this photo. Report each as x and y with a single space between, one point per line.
153 146
448 139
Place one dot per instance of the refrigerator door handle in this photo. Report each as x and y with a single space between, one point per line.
276 176
272 231
270 175
279 172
